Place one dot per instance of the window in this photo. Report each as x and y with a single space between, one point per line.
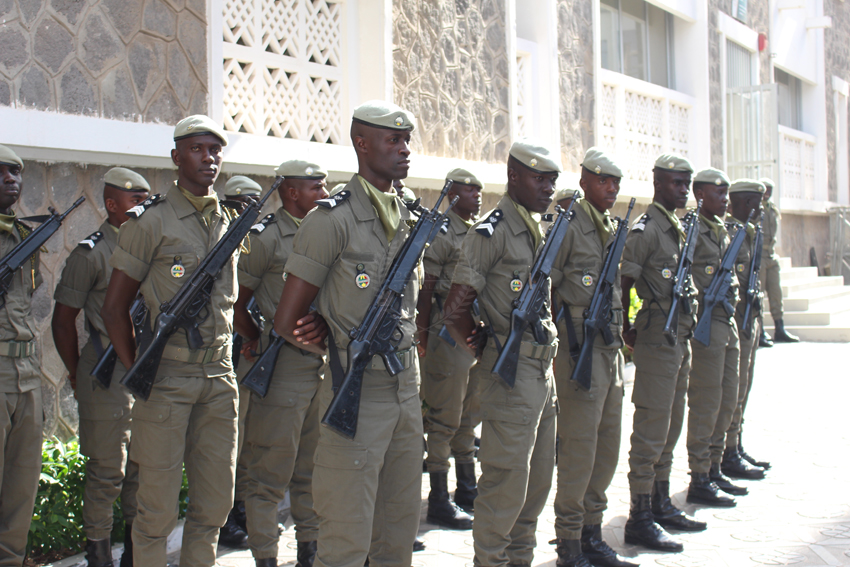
636 39
790 95
739 66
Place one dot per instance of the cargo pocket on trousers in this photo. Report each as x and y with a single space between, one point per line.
509 434
339 483
154 440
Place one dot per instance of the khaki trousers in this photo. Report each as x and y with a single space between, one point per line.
281 433
745 384
661 382
187 420
21 418
770 283
367 491
517 457
713 383
445 388
589 427
105 439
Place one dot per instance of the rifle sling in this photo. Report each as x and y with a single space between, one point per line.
572 338
95 340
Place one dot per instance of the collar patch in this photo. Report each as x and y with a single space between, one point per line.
261 226
334 200
91 240
137 211
488 226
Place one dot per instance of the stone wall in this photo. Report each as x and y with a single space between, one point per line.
800 233
450 68
140 60
836 63
576 92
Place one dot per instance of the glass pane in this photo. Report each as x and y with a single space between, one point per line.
609 24
657 30
634 39
634 8
739 66
789 99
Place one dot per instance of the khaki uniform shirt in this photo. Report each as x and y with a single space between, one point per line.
344 251
770 228
440 258
498 266
16 321
708 255
651 258
261 270
151 249
742 266
576 272
86 277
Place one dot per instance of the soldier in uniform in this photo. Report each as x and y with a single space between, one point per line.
20 379
446 366
518 425
191 415
366 490
588 422
104 413
746 196
713 381
770 271
282 428
243 190
650 260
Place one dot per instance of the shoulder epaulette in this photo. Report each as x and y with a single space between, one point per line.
445 228
137 211
334 200
640 224
487 227
24 229
91 240
261 226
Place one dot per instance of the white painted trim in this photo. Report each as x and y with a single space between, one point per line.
684 9
644 87
841 86
215 57
822 22
734 30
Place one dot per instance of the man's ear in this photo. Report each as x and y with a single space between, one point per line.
361 145
512 174
175 157
110 205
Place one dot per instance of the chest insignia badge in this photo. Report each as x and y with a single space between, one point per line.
709 270
516 285
666 273
587 280
362 280
177 269
740 268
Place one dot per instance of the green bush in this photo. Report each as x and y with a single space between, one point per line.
635 303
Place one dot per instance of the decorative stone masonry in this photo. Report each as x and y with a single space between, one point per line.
141 60
837 64
450 68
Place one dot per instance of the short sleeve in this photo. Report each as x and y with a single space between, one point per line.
475 260
437 256
315 248
252 266
134 253
78 278
634 255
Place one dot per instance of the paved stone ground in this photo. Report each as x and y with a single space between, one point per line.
798 515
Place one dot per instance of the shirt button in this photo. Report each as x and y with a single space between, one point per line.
356 462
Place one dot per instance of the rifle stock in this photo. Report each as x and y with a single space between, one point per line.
105 366
681 282
259 377
753 301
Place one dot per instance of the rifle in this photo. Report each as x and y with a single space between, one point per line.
718 290
184 309
597 317
752 298
106 363
526 308
259 377
236 349
443 333
25 249
378 333
682 279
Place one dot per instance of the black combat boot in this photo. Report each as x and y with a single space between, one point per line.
780 335
231 535
641 528
765 340
703 491
99 553
760 464
668 515
467 488
734 466
266 562
127 555
597 551
418 544
441 510
306 553
724 483
240 515
570 555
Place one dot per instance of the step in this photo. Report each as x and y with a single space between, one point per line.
838 331
796 274
798 287
811 299
784 263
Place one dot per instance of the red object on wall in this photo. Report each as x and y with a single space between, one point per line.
762 42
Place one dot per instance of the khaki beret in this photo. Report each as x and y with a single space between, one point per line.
300 169
673 162
598 162
568 194
8 157
382 114
241 185
460 175
711 175
535 156
407 195
767 182
198 125
746 186
125 180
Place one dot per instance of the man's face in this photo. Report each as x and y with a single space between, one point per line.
768 192
247 199
120 202
12 183
534 190
198 159
600 190
303 194
469 199
743 204
672 188
715 198
388 152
